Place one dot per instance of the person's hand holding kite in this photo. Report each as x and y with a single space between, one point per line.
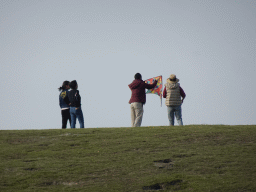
158 88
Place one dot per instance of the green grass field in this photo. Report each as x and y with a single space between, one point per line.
189 158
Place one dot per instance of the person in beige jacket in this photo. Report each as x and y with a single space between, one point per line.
174 95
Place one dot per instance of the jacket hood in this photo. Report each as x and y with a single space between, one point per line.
136 83
172 85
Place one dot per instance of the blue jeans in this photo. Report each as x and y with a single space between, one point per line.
174 110
76 113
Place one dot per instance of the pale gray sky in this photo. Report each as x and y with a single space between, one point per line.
210 46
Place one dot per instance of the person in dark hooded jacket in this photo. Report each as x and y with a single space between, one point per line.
75 105
138 98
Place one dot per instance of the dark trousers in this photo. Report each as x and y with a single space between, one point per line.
65 117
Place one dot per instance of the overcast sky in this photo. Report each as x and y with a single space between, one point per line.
209 44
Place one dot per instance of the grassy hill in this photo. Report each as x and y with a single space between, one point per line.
188 158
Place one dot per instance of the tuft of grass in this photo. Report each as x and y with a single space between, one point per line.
188 158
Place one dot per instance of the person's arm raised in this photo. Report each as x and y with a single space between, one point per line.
151 86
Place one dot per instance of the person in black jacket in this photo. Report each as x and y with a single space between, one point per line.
64 104
75 105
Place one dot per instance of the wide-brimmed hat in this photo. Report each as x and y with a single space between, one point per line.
173 79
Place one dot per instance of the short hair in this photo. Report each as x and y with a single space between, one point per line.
73 84
137 76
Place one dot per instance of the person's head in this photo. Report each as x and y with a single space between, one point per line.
137 76
173 79
65 85
73 84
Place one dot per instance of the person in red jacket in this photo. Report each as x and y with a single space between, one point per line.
138 98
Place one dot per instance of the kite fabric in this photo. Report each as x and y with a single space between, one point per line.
158 88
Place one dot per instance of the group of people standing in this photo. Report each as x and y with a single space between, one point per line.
70 101
173 93
70 104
